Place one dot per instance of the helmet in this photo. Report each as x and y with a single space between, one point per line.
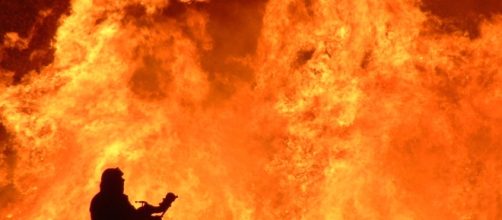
112 181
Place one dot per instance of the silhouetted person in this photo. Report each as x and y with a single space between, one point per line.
112 204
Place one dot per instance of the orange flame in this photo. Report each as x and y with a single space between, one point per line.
259 110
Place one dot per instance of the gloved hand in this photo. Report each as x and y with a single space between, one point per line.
166 202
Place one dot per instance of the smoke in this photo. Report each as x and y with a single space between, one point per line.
135 93
34 25
464 17
254 109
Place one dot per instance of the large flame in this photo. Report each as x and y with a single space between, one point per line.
279 109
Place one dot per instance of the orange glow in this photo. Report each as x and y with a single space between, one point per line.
279 109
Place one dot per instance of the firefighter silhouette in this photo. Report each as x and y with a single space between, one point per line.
112 204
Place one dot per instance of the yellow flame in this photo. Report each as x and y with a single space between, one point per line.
355 111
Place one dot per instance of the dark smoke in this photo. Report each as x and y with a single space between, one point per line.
233 27
461 15
35 20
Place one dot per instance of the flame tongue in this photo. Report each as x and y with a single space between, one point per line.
256 110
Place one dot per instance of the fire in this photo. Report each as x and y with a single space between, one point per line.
278 109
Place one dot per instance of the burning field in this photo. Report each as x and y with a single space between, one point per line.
253 109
